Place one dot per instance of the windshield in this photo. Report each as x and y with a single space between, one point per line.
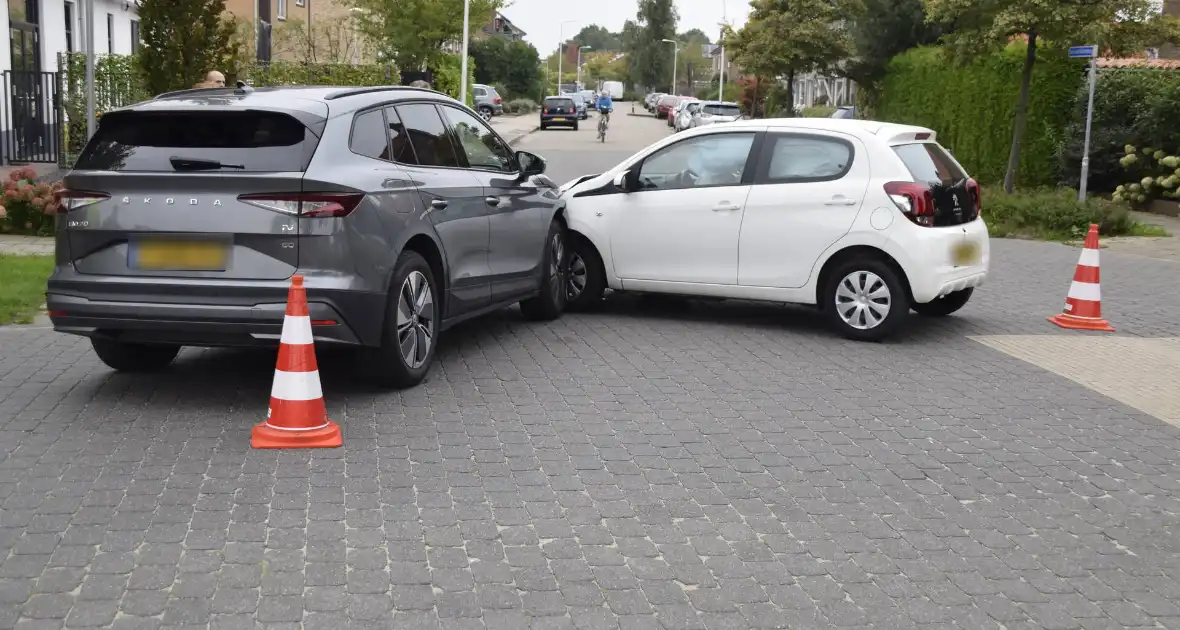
558 102
257 141
722 110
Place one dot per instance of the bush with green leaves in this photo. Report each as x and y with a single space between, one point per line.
1055 214
1132 106
818 111
971 107
521 106
1156 174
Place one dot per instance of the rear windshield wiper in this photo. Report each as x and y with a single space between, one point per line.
198 164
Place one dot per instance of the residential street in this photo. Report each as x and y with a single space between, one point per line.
654 465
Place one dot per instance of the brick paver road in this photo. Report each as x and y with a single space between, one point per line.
718 466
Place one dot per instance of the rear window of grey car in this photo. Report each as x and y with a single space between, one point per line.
558 102
249 141
722 110
929 163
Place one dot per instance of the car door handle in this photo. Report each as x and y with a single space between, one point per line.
438 204
840 200
726 207
492 201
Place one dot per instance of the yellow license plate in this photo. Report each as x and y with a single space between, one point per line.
561 119
178 255
965 254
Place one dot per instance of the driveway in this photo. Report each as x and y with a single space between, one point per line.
656 465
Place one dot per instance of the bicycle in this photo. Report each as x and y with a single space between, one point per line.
603 118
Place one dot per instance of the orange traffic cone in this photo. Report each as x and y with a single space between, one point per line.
1083 304
296 418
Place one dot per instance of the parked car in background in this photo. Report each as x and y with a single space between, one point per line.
716 112
844 111
186 217
591 98
682 108
559 111
684 118
487 101
665 105
614 88
579 105
650 102
866 220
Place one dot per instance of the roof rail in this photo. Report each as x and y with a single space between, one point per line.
191 91
381 88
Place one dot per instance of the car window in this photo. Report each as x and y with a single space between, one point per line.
712 160
482 147
558 102
928 162
693 107
723 110
368 135
250 141
399 141
807 158
432 144
481 92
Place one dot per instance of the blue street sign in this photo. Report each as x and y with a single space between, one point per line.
1083 52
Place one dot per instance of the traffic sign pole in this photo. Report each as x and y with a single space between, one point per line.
1086 52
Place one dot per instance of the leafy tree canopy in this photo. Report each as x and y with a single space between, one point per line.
183 40
411 33
513 64
882 29
649 58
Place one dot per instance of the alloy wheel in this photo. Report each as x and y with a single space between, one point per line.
415 319
863 300
557 279
485 114
576 280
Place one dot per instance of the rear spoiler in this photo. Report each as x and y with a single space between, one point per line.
906 137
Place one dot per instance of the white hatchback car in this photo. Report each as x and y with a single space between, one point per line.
867 220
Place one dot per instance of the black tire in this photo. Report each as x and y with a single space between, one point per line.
133 357
386 365
898 298
487 111
945 305
550 302
590 295
575 126
543 127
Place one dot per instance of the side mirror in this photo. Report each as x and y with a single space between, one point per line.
530 163
620 181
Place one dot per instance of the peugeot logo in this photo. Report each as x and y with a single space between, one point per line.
171 201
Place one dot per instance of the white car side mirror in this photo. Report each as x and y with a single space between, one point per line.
620 181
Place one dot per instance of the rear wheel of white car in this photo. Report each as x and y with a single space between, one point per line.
133 357
865 300
586 279
945 305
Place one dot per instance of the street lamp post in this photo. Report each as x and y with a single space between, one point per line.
721 79
580 49
675 52
561 51
463 61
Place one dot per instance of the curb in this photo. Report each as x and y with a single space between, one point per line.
518 137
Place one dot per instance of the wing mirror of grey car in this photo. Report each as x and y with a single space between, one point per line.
530 163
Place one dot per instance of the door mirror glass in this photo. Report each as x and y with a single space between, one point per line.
530 163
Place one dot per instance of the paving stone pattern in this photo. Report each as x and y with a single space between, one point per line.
727 466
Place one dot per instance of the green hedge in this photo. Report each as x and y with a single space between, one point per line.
971 107
1136 107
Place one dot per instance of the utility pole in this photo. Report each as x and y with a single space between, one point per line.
89 36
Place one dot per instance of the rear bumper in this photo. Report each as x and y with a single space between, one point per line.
931 272
570 120
208 315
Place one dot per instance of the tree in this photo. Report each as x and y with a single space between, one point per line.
412 33
182 40
983 26
513 64
598 38
880 30
649 57
784 38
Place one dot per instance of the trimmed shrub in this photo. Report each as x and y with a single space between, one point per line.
1055 214
818 111
971 107
28 205
1136 107
520 106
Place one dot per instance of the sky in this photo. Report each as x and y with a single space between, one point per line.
542 20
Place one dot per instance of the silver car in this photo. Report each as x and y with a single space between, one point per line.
711 112
684 113
186 217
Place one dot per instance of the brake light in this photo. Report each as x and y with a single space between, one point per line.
496 100
914 200
70 200
314 205
976 196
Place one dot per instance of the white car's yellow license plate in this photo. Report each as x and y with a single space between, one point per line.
966 254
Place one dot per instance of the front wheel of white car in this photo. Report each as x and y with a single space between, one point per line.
586 281
865 300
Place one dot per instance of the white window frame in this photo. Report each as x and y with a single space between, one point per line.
281 9
300 3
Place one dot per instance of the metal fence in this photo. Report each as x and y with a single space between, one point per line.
31 116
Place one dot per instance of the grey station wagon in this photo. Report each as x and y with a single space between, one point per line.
187 216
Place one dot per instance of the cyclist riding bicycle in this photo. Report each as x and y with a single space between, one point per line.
604 105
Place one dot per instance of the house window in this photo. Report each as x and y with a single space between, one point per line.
69 27
134 36
281 8
300 3
110 33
